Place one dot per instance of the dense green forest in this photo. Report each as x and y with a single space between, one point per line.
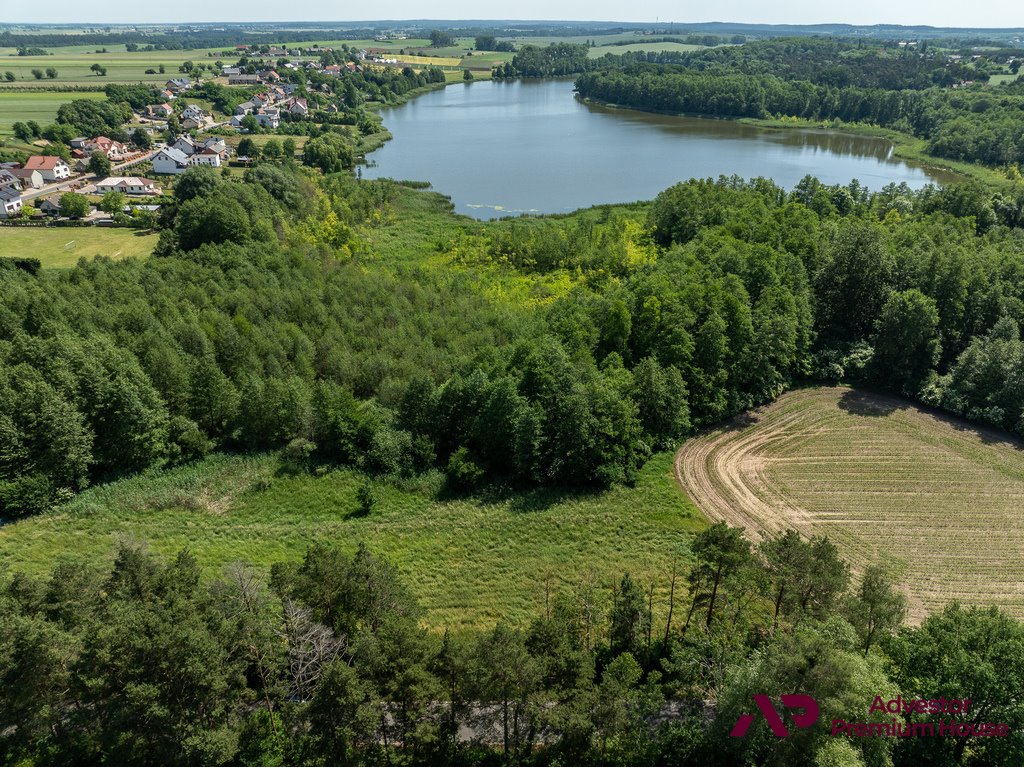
261 324
325 663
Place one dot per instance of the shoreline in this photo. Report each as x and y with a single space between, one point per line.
908 148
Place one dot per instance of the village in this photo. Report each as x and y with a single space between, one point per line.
174 133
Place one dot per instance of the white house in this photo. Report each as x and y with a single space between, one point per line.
193 112
114 150
269 118
50 167
127 185
185 144
30 179
218 145
205 156
160 110
170 161
10 202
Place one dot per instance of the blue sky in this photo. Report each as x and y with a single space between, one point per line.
993 13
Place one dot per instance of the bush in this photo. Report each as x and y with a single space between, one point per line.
462 472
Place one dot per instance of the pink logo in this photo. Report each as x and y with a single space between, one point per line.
805 718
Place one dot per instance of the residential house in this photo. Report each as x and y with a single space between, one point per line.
185 144
167 95
10 202
127 185
228 71
114 150
79 143
333 69
270 76
261 99
206 156
241 79
50 206
160 110
246 107
50 167
192 123
298 107
178 84
30 179
269 118
8 180
170 161
194 112
218 145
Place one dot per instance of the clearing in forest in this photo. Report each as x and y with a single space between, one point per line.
936 498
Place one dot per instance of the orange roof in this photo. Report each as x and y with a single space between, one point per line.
42 162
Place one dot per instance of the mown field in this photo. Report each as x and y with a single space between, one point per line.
469 561
40 106
618 50
61 247
934 497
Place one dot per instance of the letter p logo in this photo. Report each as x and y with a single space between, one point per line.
807 717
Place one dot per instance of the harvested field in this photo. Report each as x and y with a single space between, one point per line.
938 499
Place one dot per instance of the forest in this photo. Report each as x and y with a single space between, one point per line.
257 326
324 663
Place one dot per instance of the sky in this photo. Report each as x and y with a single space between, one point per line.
992 13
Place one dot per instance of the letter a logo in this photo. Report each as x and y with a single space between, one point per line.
807 717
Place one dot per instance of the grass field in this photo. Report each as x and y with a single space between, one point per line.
934 497
61 247
469 561
618 50
72 65
40 106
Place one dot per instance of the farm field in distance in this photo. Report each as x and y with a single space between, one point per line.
61 247
469 561
40 106
936 498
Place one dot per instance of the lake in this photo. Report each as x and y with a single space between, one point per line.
505 148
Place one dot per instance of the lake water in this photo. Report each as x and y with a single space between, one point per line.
505 148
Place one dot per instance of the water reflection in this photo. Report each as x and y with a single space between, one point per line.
502 149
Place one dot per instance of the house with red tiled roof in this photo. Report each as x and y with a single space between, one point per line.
50 167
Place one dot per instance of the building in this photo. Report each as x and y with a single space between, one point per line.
160 110
50 206
194 112
114 150
50 167
186 145
218 145
10 202
178 84
269 118
206 156
9 180
241 79
127 185
298 107
30 179
170 161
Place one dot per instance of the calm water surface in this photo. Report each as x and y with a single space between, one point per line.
500 149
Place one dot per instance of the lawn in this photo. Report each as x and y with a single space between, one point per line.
61 247
470 561
40 106
935 498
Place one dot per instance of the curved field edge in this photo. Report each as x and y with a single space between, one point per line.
470 561
934 498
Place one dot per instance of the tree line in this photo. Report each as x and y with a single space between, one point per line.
146 662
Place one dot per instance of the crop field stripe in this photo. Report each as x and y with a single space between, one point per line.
936 498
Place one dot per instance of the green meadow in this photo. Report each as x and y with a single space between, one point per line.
62 247
40 106
470 561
